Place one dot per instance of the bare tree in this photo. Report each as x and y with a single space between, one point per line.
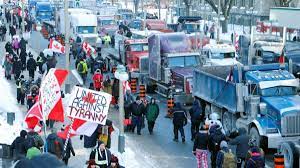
282 3
136 5
226 6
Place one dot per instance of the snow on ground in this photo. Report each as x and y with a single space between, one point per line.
8 104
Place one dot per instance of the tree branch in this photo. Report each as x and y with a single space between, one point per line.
212 4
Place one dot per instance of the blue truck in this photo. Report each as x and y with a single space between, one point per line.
261 98
44 11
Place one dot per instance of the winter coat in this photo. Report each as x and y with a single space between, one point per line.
44 160
220 157
179 116
216 136
97 151
241 143
19 146
55 145
107 86
16 44
128 99
85 67
201 141
32 152
8 65
69 150
115 88
152 112
8 48
137 110
31 64
97 78
91 141
196 112
23 56
23 44
38 141
17 67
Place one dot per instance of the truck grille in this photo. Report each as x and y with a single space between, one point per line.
144 63
290 125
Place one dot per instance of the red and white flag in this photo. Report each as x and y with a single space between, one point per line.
236 41
79 127
126 86
88 49
33 116
55 46
50 100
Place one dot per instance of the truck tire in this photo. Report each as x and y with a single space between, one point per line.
290 155
254 134
228 121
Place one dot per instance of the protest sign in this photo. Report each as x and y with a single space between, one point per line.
50 92
89 105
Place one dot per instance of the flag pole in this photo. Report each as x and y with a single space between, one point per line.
44 125
68 137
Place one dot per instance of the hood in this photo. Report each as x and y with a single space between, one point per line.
185 72
283 104
224 62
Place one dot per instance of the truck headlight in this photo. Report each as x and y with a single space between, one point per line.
178 90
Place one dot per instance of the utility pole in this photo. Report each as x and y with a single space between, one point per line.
67 44
159 8
218 28
23 18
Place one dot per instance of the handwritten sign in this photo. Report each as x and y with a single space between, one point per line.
50 92
89 105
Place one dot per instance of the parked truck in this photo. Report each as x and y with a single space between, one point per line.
83 24
44 11
261 98
171 63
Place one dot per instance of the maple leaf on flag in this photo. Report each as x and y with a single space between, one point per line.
89 98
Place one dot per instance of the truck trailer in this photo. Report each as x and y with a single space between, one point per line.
261 98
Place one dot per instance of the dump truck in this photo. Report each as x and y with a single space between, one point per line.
261 98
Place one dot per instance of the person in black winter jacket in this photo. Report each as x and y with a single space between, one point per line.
23 43
23 57
197 116
17 68
137 109
216 136
55 145
179 121
115 89
200 148
68 151
241 142
31 66
19 145
8 47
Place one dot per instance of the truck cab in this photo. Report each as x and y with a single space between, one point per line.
266 52
44 11
219 54
107 24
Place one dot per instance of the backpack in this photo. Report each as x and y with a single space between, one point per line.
229 160
80 68
256 160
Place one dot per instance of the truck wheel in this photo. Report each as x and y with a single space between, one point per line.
228 121
254 134
289 151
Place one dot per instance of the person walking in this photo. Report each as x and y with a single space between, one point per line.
115 162
38 142
137 109
216 136
255 157
21 90
107 40
17 68
55 144
23 43
128 100
23 57
101 156
115 89
212 31
16 45
152 112
67 153
179 121
97 79
40 60
225 158
242 146
8 65
31 66
200 148
107 87
82 69
197 116
18 146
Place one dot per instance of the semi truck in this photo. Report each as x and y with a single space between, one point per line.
261 98
83 24
42 10
171 63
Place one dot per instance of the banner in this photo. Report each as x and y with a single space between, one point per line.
50 92
89 105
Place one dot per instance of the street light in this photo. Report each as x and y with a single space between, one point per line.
122 75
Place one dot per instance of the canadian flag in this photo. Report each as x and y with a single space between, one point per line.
33 116
88 49
79 127
55 46
50 99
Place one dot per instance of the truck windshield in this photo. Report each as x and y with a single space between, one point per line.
139 47
222 55
86 29
107 22
279 91
190 28
44 13
183 61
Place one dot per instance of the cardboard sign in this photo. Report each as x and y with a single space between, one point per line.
89 105
50 92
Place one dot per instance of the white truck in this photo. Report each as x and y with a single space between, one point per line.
83 24
219 55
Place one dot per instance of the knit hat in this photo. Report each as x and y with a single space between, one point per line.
23 133
114 159
224 144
